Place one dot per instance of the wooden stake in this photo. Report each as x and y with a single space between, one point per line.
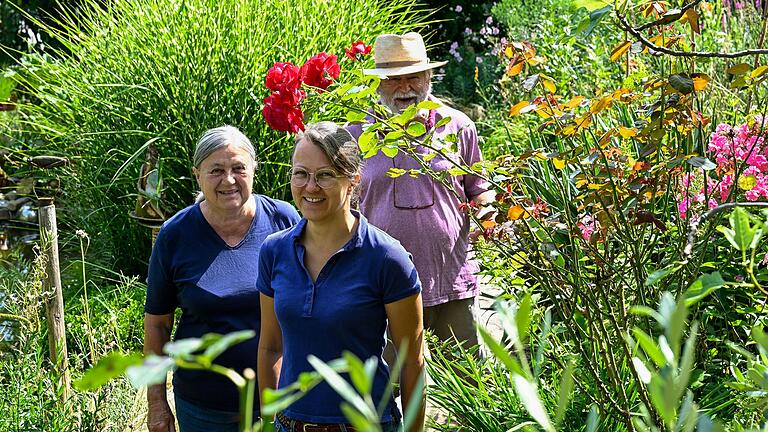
54 302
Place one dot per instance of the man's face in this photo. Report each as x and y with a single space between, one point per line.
398 92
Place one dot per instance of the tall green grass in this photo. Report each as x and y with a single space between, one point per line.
134 70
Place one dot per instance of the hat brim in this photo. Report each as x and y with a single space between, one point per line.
404 70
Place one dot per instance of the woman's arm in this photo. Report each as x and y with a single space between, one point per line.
406 325
157 332
270 356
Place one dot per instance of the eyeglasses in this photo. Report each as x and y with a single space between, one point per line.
324 178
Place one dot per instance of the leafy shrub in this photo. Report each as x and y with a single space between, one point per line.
168 70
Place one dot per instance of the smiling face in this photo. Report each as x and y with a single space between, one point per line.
398 92
318 204
226 178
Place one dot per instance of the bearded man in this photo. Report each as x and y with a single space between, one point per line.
420 212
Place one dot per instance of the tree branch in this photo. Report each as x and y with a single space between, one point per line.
666 19
625 25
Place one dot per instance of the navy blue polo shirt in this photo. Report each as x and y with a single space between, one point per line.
342 311
214 284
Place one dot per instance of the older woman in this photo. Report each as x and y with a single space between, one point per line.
330 284
204 262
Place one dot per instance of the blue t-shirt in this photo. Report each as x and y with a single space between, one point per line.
342 311
214 284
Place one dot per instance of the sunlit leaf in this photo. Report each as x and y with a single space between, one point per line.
650 347
660 274
416 129
366 141
601 104
626 132
517 212
642 371
110 366
549 85
500 352
529 397
692 18
395 172
514 69
574 102
390 150
226 341
559 163
153 371
428 105
703 286
591 5
620 49
758 72
523 317
515 110
700 81
739 69
566 390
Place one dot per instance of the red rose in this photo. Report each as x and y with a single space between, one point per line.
357 49
318 69
281 114
283 76
291 97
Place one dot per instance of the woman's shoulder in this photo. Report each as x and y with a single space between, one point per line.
384 244
282 238
277 208
182 220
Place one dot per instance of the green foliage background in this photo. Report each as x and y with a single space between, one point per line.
168 69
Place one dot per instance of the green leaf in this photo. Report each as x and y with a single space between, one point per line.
529 396
183 347
660 274
682 83
743 231
523 317
357 373
393 136
596 15
650 347
110 366
646 311
153 371
366 141
406 116
701 162
642 371
660 398
356 419
226 341
677 325
416 129
591 5
500 352
759 336
355 117
342 387
390 151
705 285
414 405
428 105
593 420
442 122
566 391
686 363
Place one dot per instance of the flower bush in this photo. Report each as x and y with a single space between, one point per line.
740 169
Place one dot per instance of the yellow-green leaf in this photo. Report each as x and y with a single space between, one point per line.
395 172
515 110
620 49
758 72
559 163
739 69
549 85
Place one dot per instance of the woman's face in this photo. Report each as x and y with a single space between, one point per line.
318 204
226 178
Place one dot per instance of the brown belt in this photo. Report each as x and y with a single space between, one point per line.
300 426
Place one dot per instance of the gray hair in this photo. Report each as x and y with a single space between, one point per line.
222 136
337 144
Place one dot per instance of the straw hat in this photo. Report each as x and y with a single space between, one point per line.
400 55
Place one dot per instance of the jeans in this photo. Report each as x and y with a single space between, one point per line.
194 418
392 426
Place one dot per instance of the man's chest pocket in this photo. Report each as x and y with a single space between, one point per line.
416 192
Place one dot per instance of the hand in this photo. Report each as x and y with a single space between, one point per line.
160 418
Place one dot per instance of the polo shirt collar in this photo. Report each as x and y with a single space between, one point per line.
356 240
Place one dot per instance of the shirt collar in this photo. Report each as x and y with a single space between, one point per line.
357 237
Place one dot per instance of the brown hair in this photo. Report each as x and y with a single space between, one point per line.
337 144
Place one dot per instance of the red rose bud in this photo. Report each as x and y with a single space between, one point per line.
357 49
283 76
318 69
281 115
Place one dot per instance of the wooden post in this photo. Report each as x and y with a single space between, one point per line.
54 302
